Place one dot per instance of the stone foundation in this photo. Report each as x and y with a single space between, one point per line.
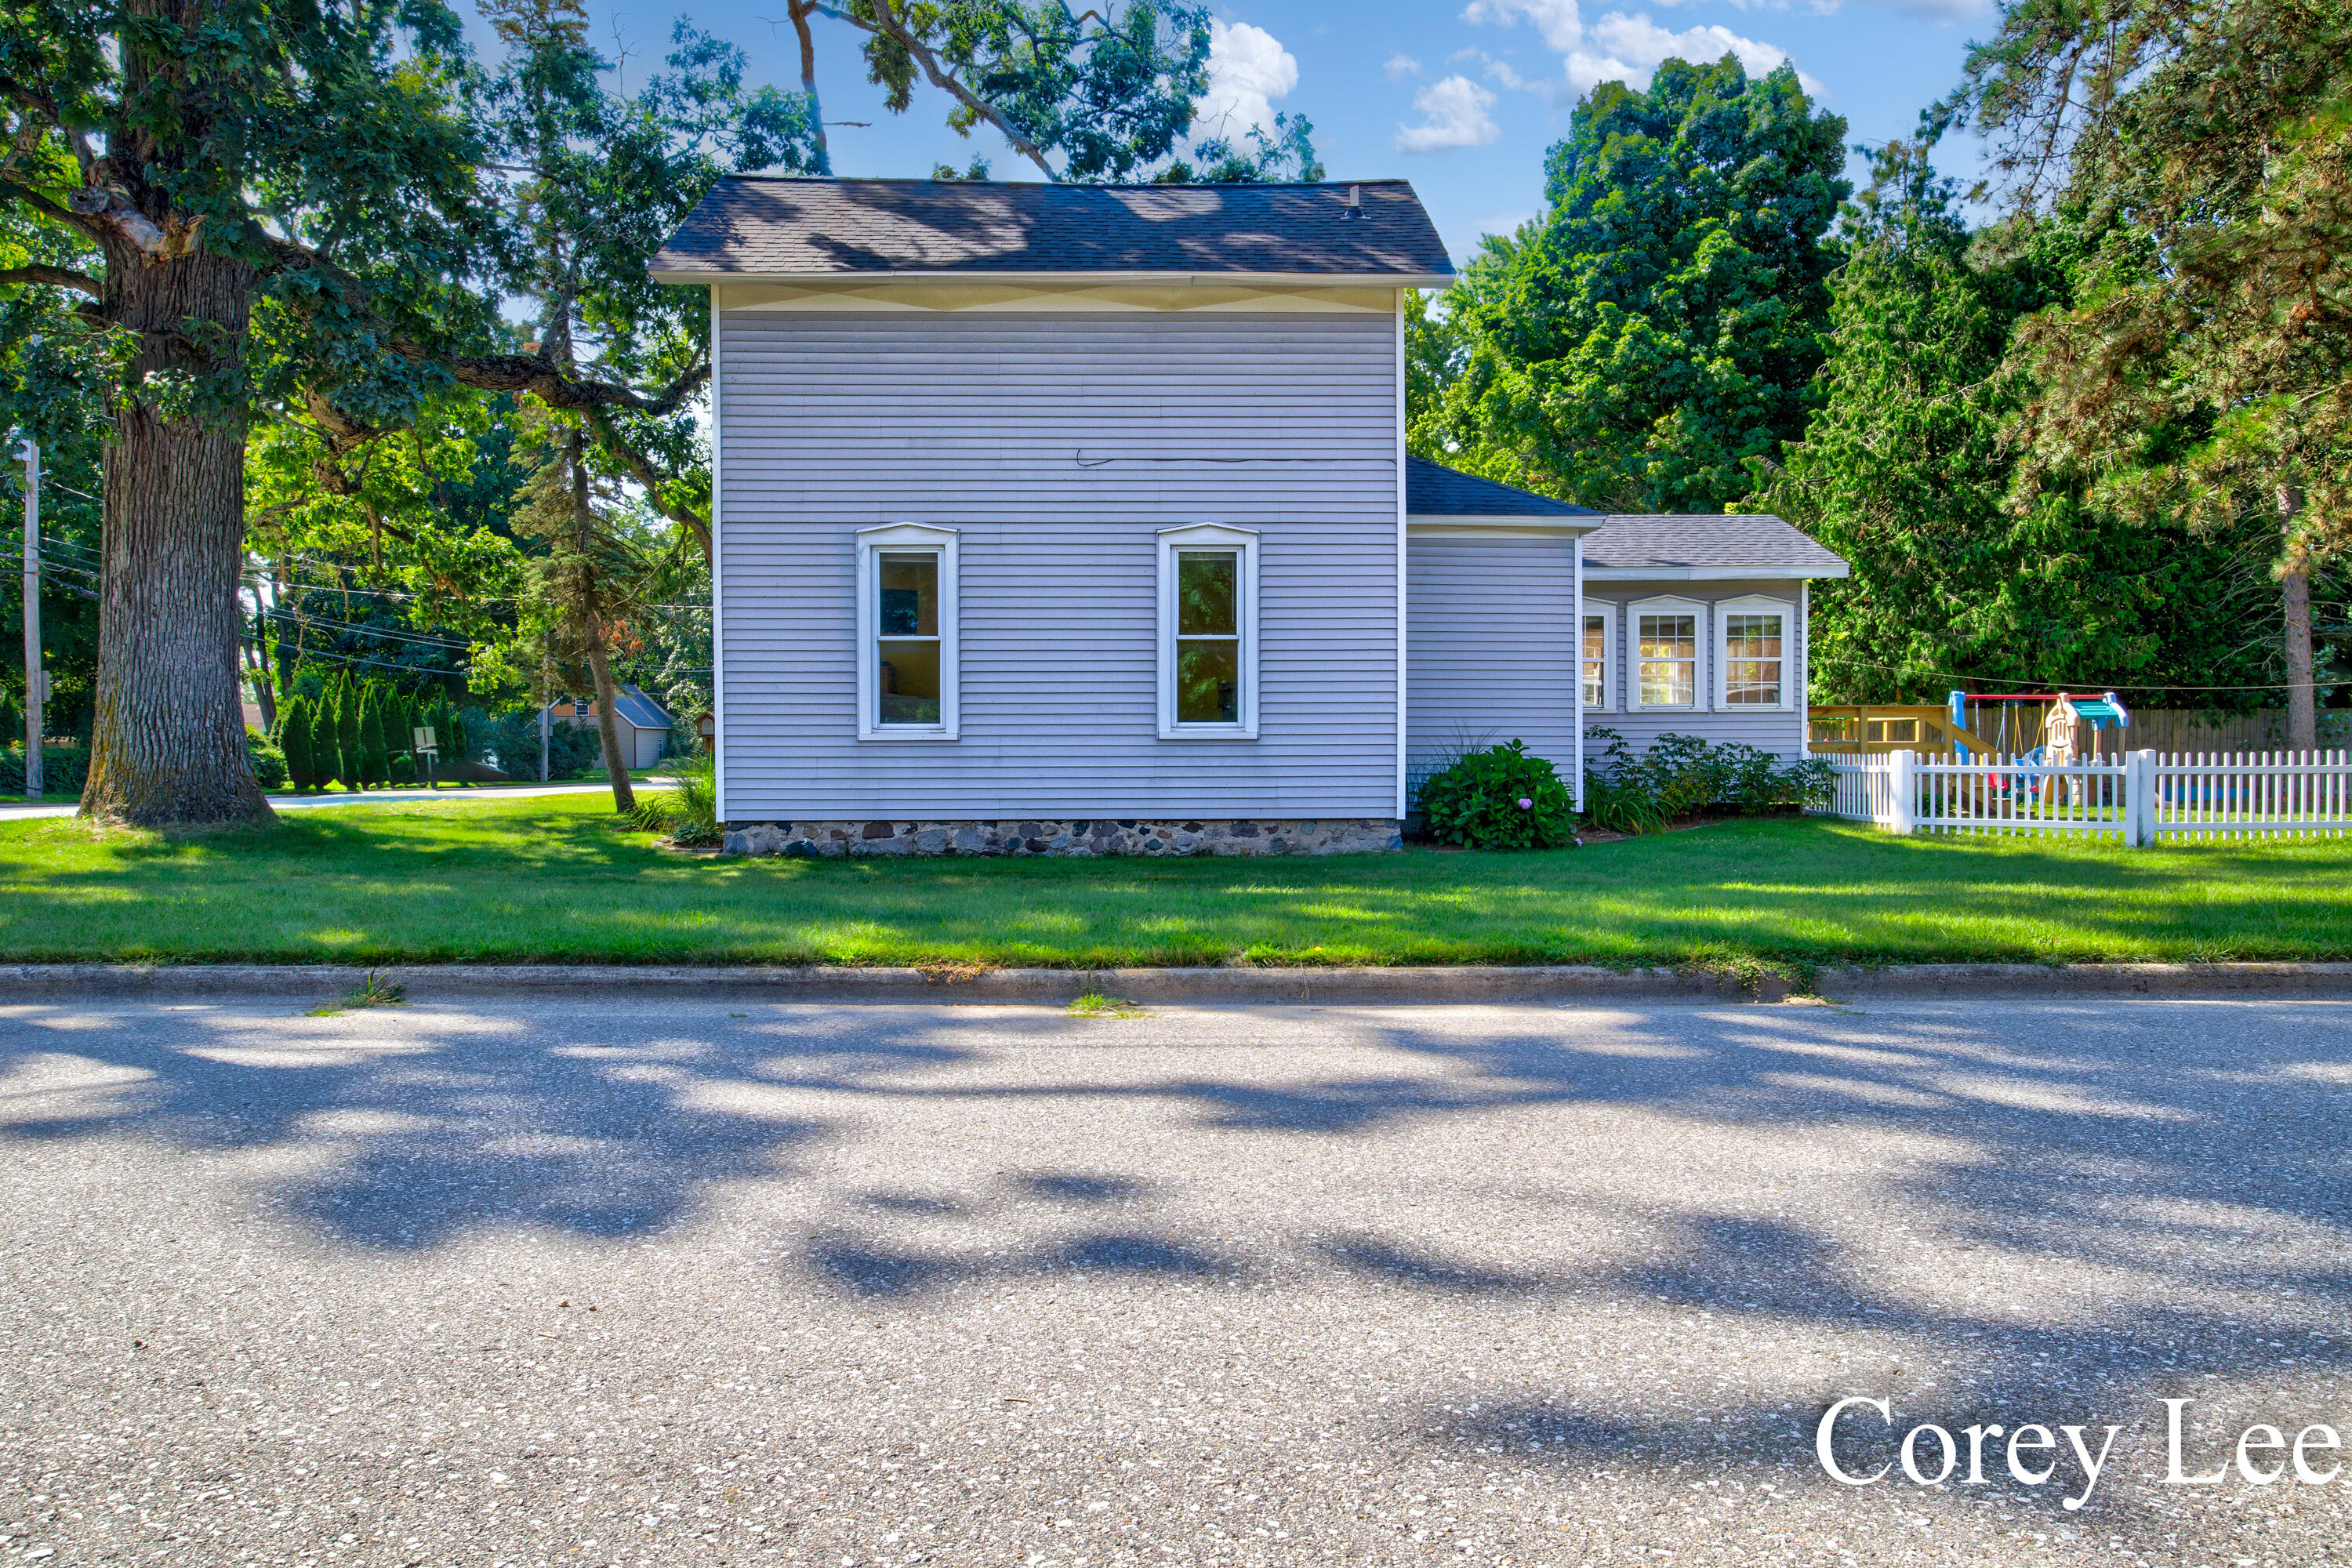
1096 836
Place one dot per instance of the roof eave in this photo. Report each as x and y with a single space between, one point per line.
1594 573
706 276
1500 522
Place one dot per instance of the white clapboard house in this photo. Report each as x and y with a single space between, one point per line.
1078 518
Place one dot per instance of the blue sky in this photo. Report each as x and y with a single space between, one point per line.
1461 97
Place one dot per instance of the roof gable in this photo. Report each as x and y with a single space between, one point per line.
750 226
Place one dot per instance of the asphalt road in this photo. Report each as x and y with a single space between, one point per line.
696 1283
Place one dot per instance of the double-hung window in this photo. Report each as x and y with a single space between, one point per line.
1208 633
907 633
1754 652
1592 660
1665 653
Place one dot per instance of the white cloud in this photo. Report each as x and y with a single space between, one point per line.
1638 45
1620 47
1456 117
1248 69
1558 19
1401 65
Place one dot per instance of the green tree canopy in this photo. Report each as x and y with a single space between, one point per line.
2203 371
1906 472
1662 322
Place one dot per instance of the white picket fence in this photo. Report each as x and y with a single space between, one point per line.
2139 798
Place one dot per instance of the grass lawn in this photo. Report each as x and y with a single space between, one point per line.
554 879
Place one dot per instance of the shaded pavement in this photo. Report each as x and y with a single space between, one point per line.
731 1283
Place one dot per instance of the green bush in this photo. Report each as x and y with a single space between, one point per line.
1499 799
403 768
1679 775
64 770
269 762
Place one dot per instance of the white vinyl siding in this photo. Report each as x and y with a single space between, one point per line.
1057 447
1491 633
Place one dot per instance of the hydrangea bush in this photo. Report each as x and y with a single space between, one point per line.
1499 799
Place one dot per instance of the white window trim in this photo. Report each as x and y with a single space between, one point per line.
1699 687
871 542
1607 612
1755 603
1208 536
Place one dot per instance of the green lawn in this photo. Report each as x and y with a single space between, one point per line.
555 879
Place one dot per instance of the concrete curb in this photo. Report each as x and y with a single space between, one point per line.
34 983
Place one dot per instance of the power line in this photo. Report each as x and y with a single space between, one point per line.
2055 687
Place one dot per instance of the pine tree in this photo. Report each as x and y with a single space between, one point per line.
459 751
377 763
347 736
294 740
398 722
326 755
320 744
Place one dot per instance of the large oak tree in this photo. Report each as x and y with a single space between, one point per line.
282 204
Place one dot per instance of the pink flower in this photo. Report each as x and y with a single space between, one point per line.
1526 804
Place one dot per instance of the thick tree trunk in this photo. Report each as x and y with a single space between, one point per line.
167 740
608 730
2294 591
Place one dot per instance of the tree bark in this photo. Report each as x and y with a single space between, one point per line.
608 730
167 738
2294 591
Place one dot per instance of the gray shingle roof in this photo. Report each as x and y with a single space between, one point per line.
1433 490
1642 542
755 226
632 705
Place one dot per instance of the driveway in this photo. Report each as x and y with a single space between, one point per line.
701 1283
10 811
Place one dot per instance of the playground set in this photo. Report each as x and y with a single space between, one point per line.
2028 731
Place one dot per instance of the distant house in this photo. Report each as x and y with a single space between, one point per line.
1077 520
645 727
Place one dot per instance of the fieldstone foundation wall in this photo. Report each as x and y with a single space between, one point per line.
1096 836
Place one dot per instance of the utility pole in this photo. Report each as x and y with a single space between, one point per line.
35 678
545 702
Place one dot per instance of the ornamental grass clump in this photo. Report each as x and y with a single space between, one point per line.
1499 799
688 812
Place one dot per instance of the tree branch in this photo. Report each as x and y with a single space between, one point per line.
56 212
641 468
541 379
886 21
58 277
